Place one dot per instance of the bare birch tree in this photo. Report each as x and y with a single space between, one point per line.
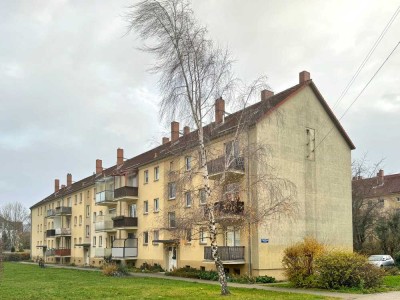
14 215
193 73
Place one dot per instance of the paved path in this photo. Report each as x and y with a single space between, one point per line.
378 296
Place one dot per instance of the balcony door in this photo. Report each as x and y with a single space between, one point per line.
133 210
232 237
172 258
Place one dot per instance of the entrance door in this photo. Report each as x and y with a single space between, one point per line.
172 258
86 255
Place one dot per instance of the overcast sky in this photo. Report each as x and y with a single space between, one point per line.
73 88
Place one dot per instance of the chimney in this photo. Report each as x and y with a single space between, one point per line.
265 94
99 166
304 76
174 131
186 130
165 140
62 186
56 185
120 156
219 110
380 177
69 179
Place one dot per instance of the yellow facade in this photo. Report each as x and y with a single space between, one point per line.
131 222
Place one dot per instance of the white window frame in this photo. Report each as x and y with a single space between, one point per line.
156 236
201 193
188 199
145 238
145 207
202 236
170 214
156 173
146 176
188 163
171 190
156 205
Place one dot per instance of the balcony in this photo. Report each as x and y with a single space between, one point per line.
63 210
102 252
124 249
227 254
228 207
126 193
50 252
50 233
105 198
104 223
51 213
123 222
219 167
62 231
62 252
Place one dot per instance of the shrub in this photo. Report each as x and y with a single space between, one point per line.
16 256
392 271
396 258
185 272
208 275
345 269
145 267
12 249
299 260
265 279
110 270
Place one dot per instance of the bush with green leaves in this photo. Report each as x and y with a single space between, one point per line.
146 267
299 260
248 279
16 256
396 258
184 272
340 269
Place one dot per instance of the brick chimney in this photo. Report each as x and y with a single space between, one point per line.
99 166
62 186
69 179
219 110
304 76
265 94
174 131
120 156
380 176
165 140
56 185
186 130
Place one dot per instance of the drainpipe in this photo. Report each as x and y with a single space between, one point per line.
250 271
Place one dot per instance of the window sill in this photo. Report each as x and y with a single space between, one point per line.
145 244
203 243
156 211
145 213
172 198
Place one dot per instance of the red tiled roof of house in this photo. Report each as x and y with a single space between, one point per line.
251 114
375 187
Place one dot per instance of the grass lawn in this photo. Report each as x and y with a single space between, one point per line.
21 281
390 283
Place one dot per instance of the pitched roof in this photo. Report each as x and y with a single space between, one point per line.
374 187
251 115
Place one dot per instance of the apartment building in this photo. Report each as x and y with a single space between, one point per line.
131 211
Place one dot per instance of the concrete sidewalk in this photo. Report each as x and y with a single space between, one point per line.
378 296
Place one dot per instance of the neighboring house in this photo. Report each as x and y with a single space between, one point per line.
12 230
126 211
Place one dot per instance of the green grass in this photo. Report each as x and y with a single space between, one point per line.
390 283
21 281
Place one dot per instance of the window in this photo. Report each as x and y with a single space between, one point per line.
94 241
156 236
88 195
87 231
188 163
232 150
171 220
69 202
232 236
188 235
94 217
75 220
171 190
80 198
171 166
74 242
202 197
188 199
80 220
80 240
146 207
146 176
145 237
202 236
156 173
100 241
156 205
76 199
398 199
87 211
40 227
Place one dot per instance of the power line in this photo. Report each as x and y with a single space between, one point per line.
344 92
358 96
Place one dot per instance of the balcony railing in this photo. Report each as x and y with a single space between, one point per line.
51 212
124 248
50 232
50 252
219 165
126 192
62 252
63 210
122 221
102 252
105 196
63 231
229 207
226 253
104 223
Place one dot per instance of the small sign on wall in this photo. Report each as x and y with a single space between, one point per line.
264 241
